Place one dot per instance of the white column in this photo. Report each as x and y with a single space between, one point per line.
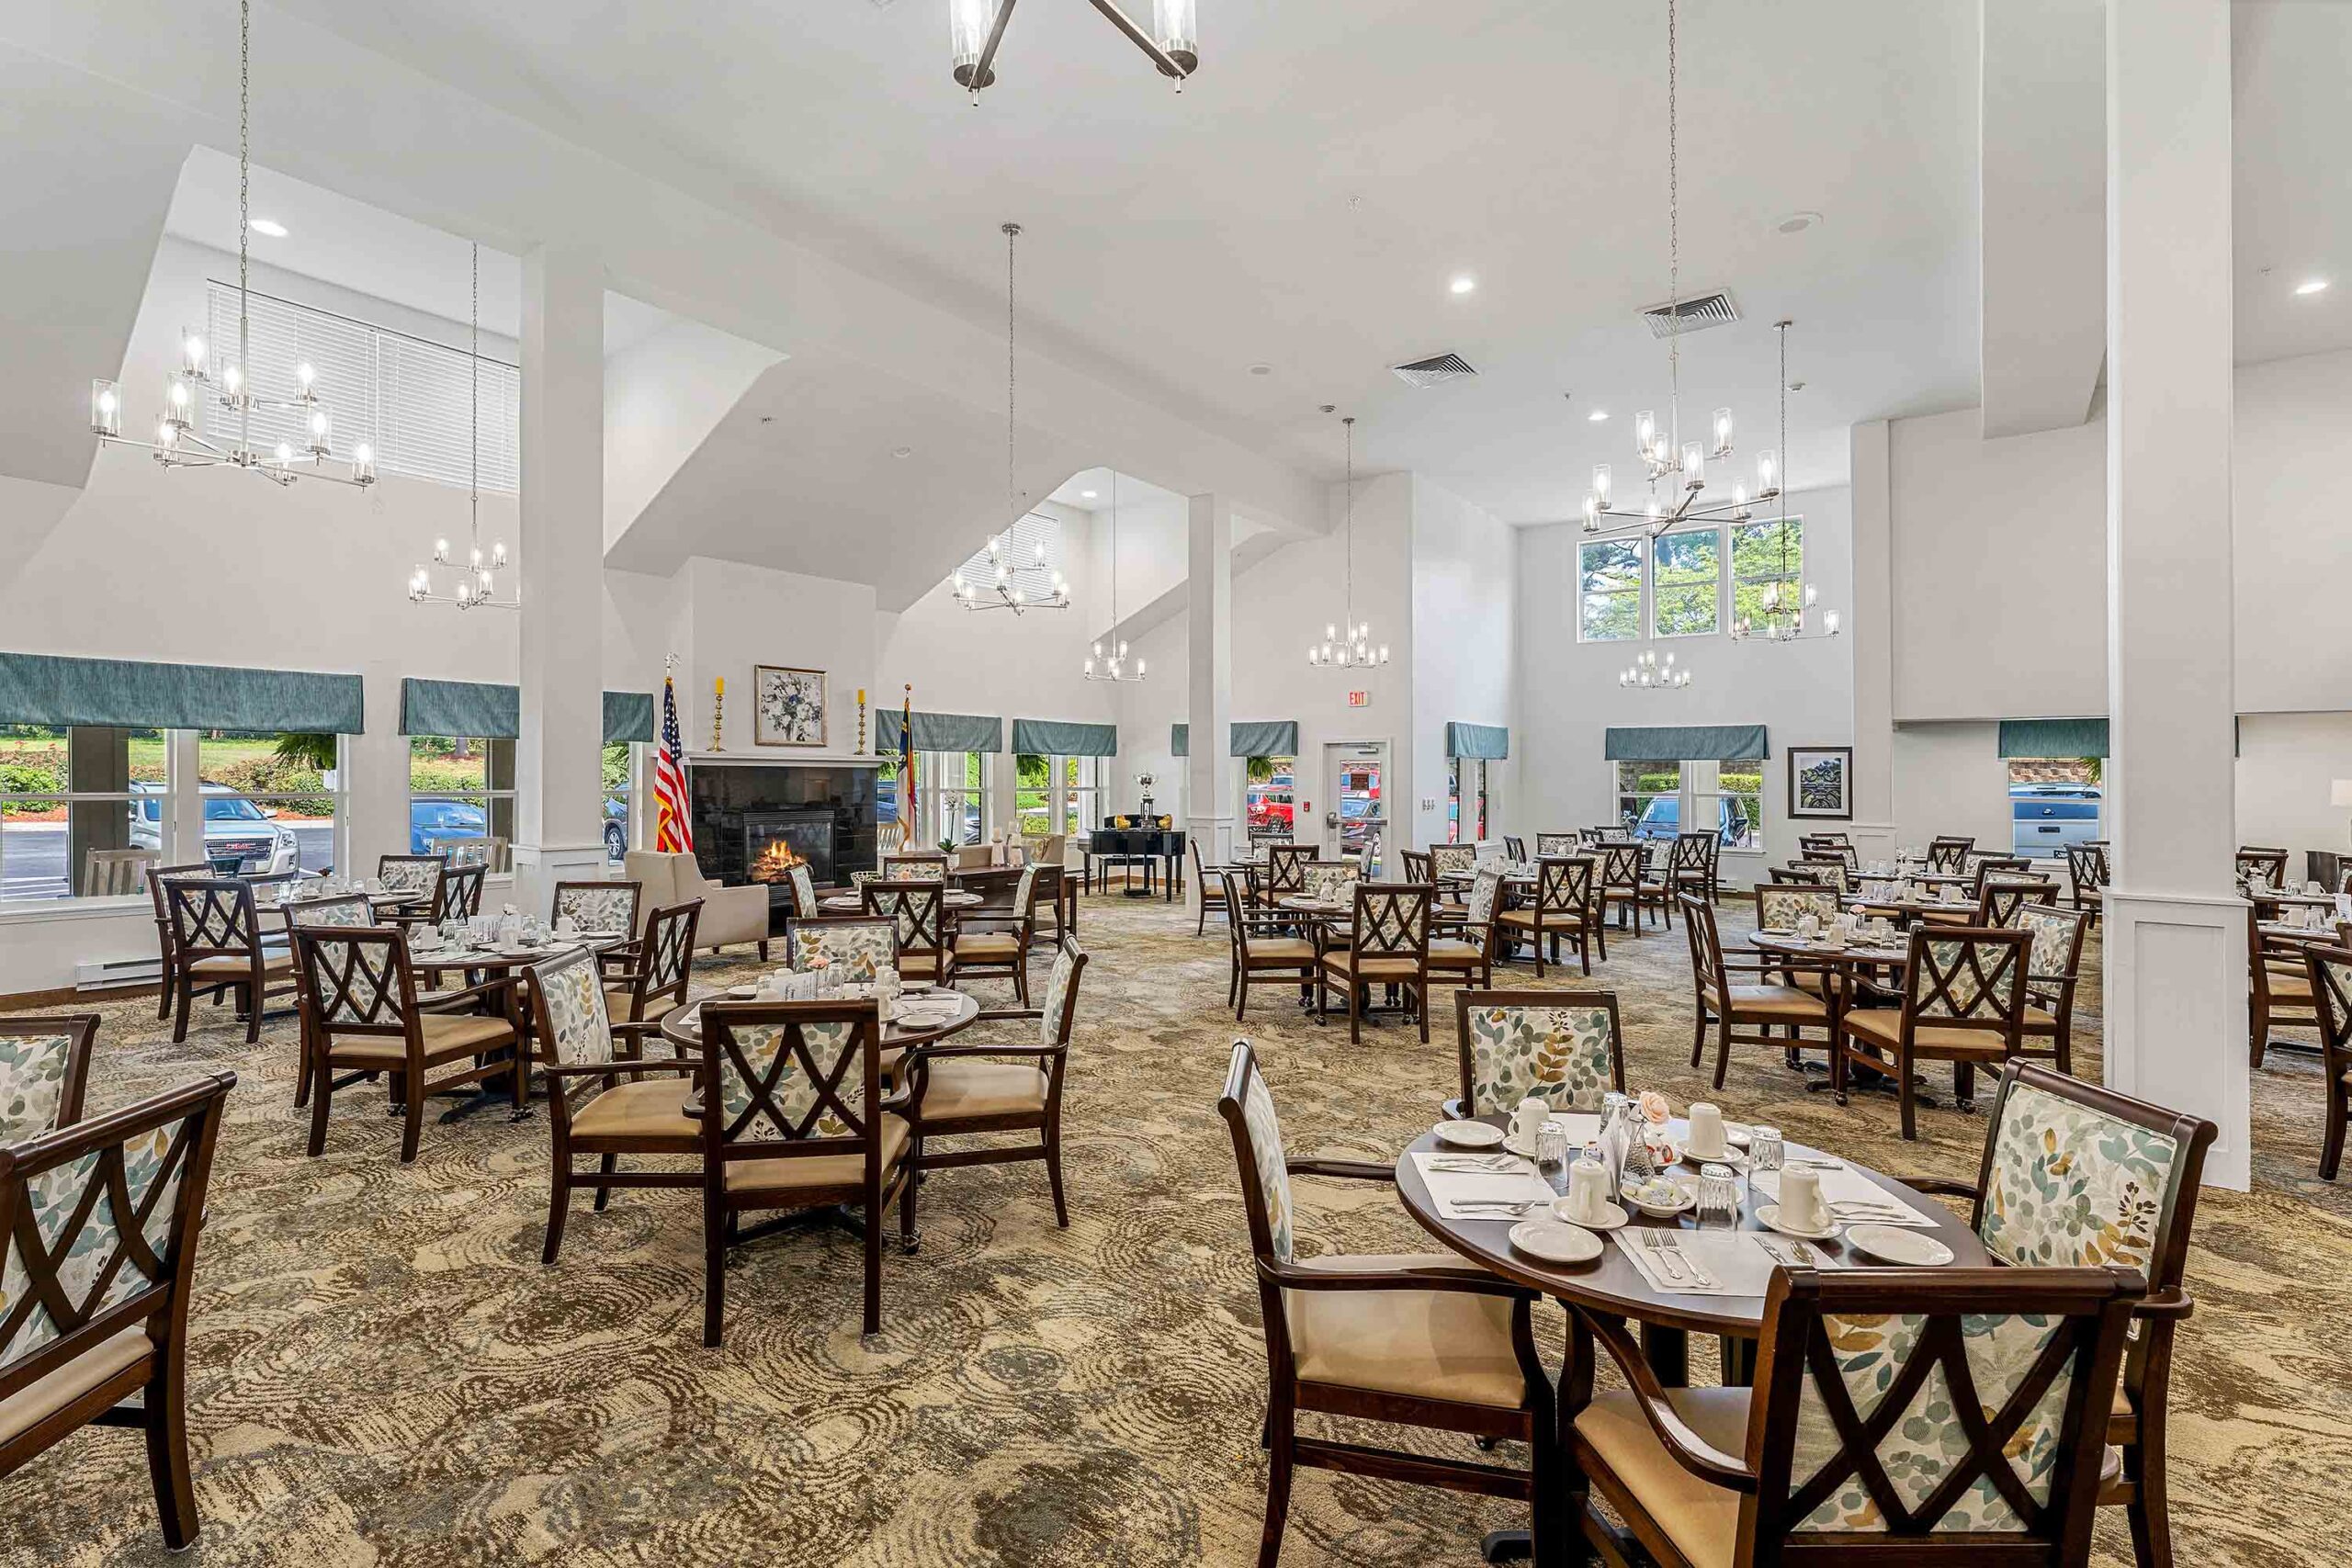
375 776
1870 639
1208 611
559 825
2175 936
185 769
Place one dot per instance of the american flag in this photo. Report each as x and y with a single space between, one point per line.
672 832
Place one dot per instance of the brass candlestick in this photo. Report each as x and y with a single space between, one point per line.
717 712
861 721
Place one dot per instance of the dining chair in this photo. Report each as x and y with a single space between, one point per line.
1213 894
592 1111
1388 945
1452 896
1982 867
1839 1454
918 910
117 1202
793 1118
1265 941
2052 972
1830 871
457 896
1557 844
800 892
1412 1340
2075 1175
914 868
215 932
409 873
967 1086
2278 989
1286 869
995 947
1998 897
1562 1047
1566 907
1779 907
1947 851
1514 849
2330 971
1693 864
1757 993
351 910
659 967
1964 1003
2086 870
1466 955
1606 832
1829 846
857 945
169 988
1798 877
44 1072
601 905
361 1011
2254 862
1620 886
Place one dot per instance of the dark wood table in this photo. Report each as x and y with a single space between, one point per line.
682 1026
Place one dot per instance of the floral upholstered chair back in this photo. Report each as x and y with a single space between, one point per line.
914 868
2070 1185
1566 1052
917 910
408 874
1452 857
1024 894
1248 1107
351 911
360 978
1330 881
1620 866
1556 844
1947 853
780 1074
804 891
2086 865
1973 980
575 1028
457 896
1565 886
2057 951
668 951
851 950
600 906
1486 896
1057 1019
1778 908
44 1065
1287 868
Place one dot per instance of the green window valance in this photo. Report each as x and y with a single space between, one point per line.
1490 740
2053 738
1250 737
1061 738
40 688
1688 743
490 710
940 732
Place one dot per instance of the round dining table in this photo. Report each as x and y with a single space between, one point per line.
682 1026
853 904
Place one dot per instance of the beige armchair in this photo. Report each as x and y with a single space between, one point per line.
728 914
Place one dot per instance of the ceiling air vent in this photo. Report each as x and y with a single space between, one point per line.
1435 371
1696 314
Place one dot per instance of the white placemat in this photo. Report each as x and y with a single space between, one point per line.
1451 1188
1734 1263
1844 1187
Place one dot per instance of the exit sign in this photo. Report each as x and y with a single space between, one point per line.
1358 699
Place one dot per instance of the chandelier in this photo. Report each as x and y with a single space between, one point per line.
1017 586
1787 605
1667 459
477 583
1108 662
176 443
1347 646
974 28
1650 673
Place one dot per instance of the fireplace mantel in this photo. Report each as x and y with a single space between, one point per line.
802 759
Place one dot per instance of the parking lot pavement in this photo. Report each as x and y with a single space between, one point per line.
32 856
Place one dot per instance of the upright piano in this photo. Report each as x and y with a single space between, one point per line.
1121 842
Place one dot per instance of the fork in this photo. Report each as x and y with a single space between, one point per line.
1499 1205
1665 1245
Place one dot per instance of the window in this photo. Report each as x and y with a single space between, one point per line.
1757 568
460 788
2054 803
1686 584
1649 797
1057 795
1608 573
954 795
1269 797
71 802
411 400
620 778
270 800
1466 811
1660 800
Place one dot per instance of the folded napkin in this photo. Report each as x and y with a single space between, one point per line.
1453 1189
1735 1263
1853 1198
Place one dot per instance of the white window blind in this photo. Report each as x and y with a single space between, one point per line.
407 397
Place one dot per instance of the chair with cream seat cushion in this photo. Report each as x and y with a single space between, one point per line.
996 945
2278 991
2330 977
793 1117
1465 954
1265 941
217 944
72 1355
2052 970
1562 1047
44 1071
1415 1339
1964 1003
918 911
1759 994
962 1085
1566 907
652 976
592 1106
1387 945
1848 1443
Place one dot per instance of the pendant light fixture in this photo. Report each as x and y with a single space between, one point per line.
477 584
974 29
1012 585
1108 660
1347 646
176 443
1785 611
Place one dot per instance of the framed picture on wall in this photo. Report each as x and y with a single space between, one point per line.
787 706
1821 783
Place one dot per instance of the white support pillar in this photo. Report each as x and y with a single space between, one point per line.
1869 639
2175 930
1208 803
558 819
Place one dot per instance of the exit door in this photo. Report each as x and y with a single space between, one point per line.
1355 779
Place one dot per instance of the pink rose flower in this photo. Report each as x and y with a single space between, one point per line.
1653 1107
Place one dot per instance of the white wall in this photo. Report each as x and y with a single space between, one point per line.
2286 764
1802 692
2294 554
1466 651
1951 778
737 617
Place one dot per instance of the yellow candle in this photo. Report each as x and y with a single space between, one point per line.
720 685
861 694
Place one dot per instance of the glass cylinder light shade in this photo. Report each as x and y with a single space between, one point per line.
969 22
1601 482
1176 29
363 468
1695 462
1723 433
191 355
1767 471
1645 432
322 432
105 408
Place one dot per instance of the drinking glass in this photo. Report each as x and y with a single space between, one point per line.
1718 1197
1552 1146
1765 1149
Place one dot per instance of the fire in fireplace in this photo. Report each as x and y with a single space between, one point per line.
775 862
775 841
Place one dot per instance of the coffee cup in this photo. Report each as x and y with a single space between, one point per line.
1706 1138
1527 1120
1801 1204
1587 1191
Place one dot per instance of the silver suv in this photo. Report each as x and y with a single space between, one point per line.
233 828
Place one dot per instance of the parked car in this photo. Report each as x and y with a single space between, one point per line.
2045 819
1269 808
1662 819
886 809
233 826
431 819
616 827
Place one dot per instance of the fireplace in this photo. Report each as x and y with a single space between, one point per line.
754 821
775 841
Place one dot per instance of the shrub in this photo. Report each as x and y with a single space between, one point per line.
267 774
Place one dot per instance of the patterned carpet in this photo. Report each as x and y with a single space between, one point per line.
384 1374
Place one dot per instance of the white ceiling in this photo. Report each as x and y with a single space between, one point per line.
2290 61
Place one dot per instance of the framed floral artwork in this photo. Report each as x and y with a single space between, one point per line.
787 706
1821 783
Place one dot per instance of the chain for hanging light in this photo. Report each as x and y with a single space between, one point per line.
477 584
176 443
1108 658
1785 611
1012 585
1348 646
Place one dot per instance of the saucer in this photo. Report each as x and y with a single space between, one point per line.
1769 1214
1688 1202
1611 1216
1468 1135
1895 1244
1554 1242
1730 1156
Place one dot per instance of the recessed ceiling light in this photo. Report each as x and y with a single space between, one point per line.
1597 415
1796 222
2310 286
902 451
1464 284
1087 494
268 228
1261 369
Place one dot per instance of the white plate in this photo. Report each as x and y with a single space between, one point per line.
742 993
1897 1244
1731 1157
1770 1215
1554 1242
1611 1216
1736 1132
1468 1135
1690 1201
